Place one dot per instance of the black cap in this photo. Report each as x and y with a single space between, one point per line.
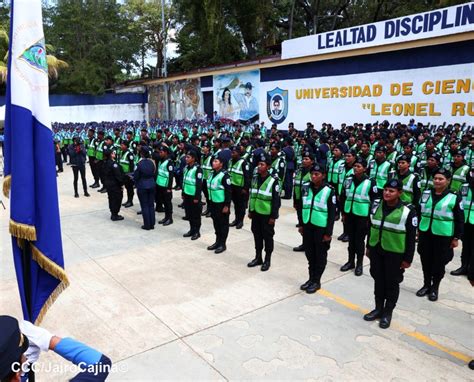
108 137
404 157
164 148
444 172
308 154
206 144
12 344
275 145
264 157
352 152
361 161
192 153
435 156
107 151
381 149
394 183
225 139
317 168
236 148
459 152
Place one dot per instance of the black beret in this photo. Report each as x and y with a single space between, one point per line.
394 183
459 152
317 168
435 156
404 157
308 154
381 148
264 157
444 172
361 161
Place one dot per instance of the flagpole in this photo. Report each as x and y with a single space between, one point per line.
26 263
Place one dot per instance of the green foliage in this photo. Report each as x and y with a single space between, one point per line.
96 39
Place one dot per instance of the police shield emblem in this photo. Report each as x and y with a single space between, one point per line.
277 105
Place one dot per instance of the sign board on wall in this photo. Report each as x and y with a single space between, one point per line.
441 22
437 95
236 96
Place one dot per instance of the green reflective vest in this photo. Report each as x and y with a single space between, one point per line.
99 153
343 175
91 148
459 177
261 197
408 191
300 182
426 181
357 198
124 162
163 177
216 187
438 218
334 170
236 173
379 172
189 181
466 193
315 207
206 167
389 232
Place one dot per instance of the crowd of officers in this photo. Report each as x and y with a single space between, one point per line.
391 186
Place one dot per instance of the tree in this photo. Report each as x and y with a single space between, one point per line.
96 40
146 18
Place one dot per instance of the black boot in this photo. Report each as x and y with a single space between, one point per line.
461 271
433 296
386 318
313 287
162 220
425 289
348 266
257 261
239 224
267 263
128 204
299 248
359 269
204 213
305 285
168 221
233 224
377 312
213 246
471 364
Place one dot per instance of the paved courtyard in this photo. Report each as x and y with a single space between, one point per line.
162 307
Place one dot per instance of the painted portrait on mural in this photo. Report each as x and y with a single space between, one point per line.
236 96
157 103
186 100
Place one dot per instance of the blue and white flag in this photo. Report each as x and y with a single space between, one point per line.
30 172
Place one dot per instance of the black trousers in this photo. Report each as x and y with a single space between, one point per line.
64 151
315 250
357 228
164 198
147 204
299 211
59 161
387 275
95 172
467 245
129 188
115 195
76 170
99 165
193 212
288 183
262 233
240 201
435 253
205 191
220 222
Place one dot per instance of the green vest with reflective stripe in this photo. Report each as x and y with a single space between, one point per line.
124 162
315 207
91 148
163 176
189 181
408 183
206 167
334 169
379 172
459 177
261 197
358 199
236 173
99 153
216 188
440 217
301 181
389 232
466 193
426 181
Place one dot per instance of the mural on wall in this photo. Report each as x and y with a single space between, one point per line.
157 102
236 96
186 100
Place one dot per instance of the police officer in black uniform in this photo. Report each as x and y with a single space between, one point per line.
113 180
390 247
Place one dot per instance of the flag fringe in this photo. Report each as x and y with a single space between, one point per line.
7 182
22 231
54 270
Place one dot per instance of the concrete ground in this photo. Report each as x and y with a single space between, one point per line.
164 308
